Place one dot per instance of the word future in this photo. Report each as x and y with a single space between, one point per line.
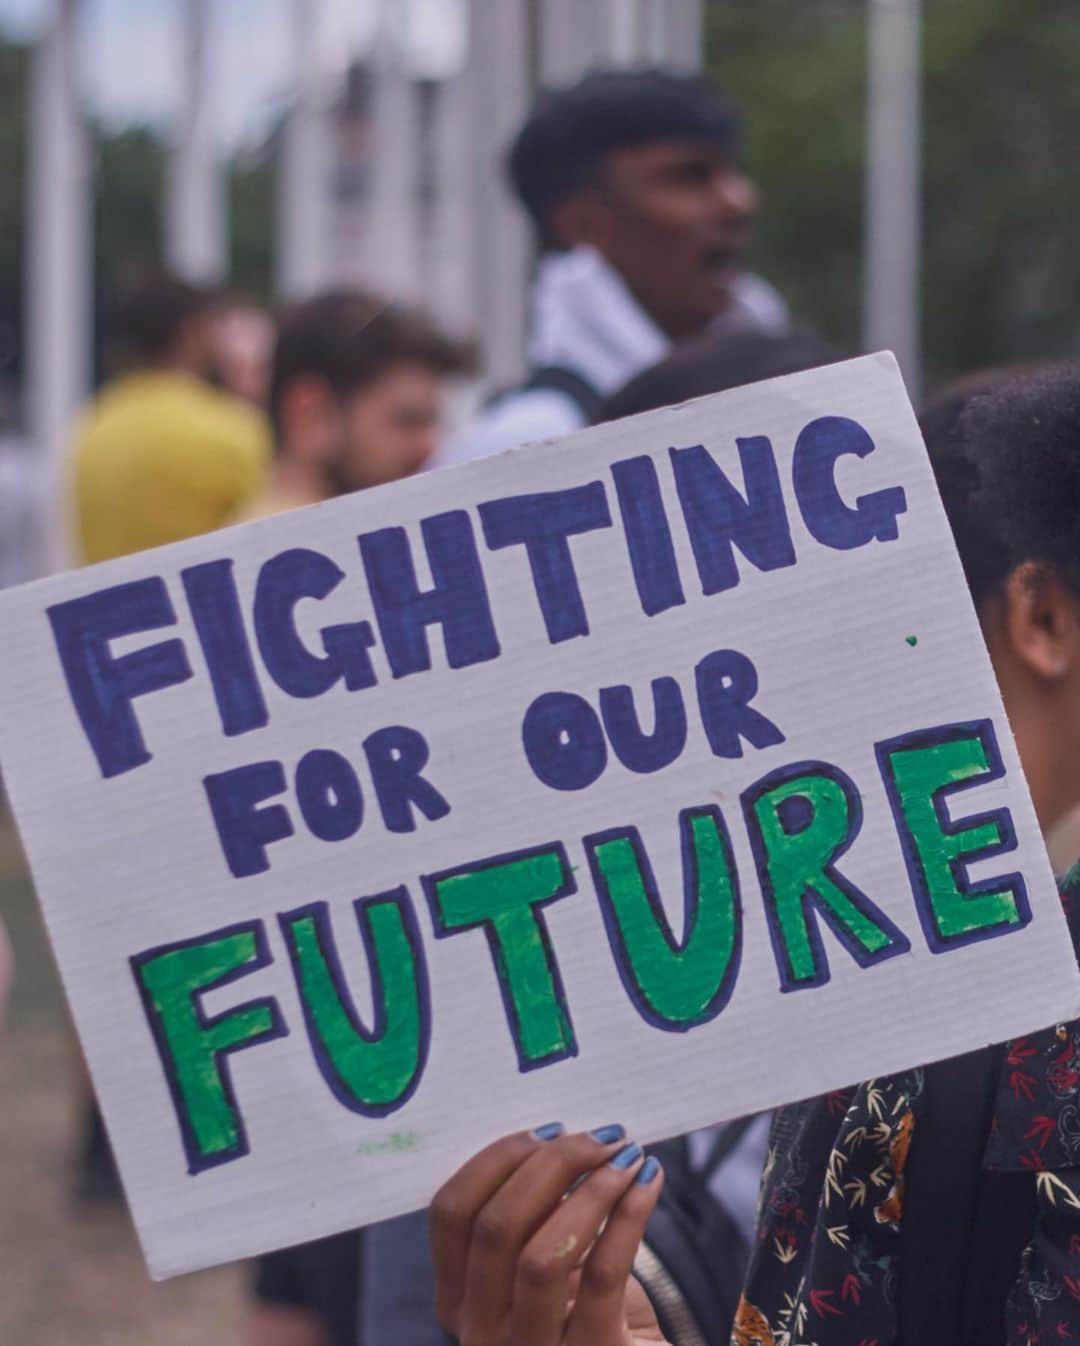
801 820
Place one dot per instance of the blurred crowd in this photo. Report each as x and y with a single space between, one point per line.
215 411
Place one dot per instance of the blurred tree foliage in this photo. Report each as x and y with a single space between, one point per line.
128 203
129 187
1002 196
251 213
128 175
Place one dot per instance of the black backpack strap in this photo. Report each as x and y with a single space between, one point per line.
692 1261
691 1266
555 378
1004 1224
726 1139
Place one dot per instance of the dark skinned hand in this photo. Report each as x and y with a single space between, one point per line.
534 1240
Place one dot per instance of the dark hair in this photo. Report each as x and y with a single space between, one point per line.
149 313
350 338
562 144
1005 448
716 363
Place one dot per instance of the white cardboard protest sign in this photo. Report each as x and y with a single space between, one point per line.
657 775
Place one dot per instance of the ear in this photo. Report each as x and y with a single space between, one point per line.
582 219
1042 622
306 402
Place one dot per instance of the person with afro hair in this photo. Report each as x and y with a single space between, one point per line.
937 1207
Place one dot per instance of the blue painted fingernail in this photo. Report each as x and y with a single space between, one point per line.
608 1135
627 1156
550 1131
649 1169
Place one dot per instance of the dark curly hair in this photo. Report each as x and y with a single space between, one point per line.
1005 448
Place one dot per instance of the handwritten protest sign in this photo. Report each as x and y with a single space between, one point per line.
658 775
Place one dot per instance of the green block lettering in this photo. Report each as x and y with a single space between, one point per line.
801 820
674 984
371 1071
193 1048
919 771
504 896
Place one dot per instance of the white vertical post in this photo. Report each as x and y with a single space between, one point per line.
623 38
59 289
392 249
498 78
568 40
891 317
655 38
305 166
452 257
686 35
196 244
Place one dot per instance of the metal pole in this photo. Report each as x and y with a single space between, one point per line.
498 79
567 40
59 270
196 245
891 318
686 35
392 250
655 23
305 164
623 44
451 252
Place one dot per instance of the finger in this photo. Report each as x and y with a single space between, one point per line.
546 1275
598 1315
456 1203
515 1212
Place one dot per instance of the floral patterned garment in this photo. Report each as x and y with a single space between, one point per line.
825 1269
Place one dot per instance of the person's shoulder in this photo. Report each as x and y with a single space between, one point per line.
114 404
235 423
268 503
226 445
1037 1111
162 406
528 416
762 302
1069 888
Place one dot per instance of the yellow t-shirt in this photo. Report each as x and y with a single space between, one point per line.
162 456
275 499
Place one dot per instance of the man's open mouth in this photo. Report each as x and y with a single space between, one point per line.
721 262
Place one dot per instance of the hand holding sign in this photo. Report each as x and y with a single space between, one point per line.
581 780
518 1262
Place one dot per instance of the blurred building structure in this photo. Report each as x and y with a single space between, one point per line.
417 205
59 286
894 185
390 176
386 176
